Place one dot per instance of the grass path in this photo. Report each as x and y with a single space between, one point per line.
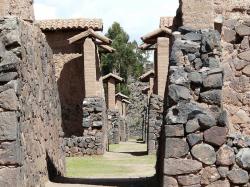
124 163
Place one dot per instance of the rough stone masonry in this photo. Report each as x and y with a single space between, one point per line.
30 111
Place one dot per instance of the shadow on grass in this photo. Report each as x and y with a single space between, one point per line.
138 153
119 182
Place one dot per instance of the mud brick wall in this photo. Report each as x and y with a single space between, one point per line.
94 124
30 112
155 119
198 148
236 64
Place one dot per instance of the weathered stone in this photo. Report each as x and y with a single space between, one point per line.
198 64
210 41
187 46
240 64
170 181
238 176
245 55
191 57
206 121
195 78
211 97
6 77
223 171
243 158
240 117
177 93
192 126
184 166
209 175
225 156
211 63
192 36
178 76
9 100
223 119
176 148
229 35
219 183
245 43
174 130
9 176
213 81
242 30
9 153
194 139
187 180
8 126
246 70
216 135
204 153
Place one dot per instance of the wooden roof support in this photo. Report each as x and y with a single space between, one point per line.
145 77
111 75
146 46
151 37
107 48
121 95
90 33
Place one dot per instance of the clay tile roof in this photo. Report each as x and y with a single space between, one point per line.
66 24
111 75
121 95
145 77
166 22
126 101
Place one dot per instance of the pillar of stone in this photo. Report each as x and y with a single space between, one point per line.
119 105
20 8
197 14
91 82
161 68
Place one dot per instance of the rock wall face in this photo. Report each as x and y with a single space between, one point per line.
236 64
136 109
198 149
155 118
21 8
30 112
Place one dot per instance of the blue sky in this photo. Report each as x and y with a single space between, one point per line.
137 17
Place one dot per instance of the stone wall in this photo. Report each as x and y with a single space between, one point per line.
21 8
93 140
114 120
136 109
30 112
198 150
155 118
236 64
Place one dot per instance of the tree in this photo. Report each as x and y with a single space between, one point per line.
127 60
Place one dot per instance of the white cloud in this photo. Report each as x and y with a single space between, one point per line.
137 17
43 11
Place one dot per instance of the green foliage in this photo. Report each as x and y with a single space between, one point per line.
127 61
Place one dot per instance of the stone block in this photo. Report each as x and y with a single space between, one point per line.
242 30
184 166
219 183
243 158
9 177
174 130
9 100
225 156
229 35
204 153
187 180
245 55
192 126
169 182
10 153
211 97
213 81
194 138
238 176
246 71
176 148
209 175
216 136
8 126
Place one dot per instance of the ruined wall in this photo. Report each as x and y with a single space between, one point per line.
21 8
236 64
30 113
155 118
114 120
198 149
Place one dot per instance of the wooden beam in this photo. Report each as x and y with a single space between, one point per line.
145 46
107 48
152 36
102 38
78 37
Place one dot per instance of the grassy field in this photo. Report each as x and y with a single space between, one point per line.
123 160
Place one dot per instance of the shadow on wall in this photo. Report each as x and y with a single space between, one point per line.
71 93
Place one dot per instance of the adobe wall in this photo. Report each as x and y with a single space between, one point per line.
30 112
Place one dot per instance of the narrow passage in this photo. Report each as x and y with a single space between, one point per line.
125 165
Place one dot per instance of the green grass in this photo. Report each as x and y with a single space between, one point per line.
113 164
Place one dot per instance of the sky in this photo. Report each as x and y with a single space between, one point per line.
137 17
